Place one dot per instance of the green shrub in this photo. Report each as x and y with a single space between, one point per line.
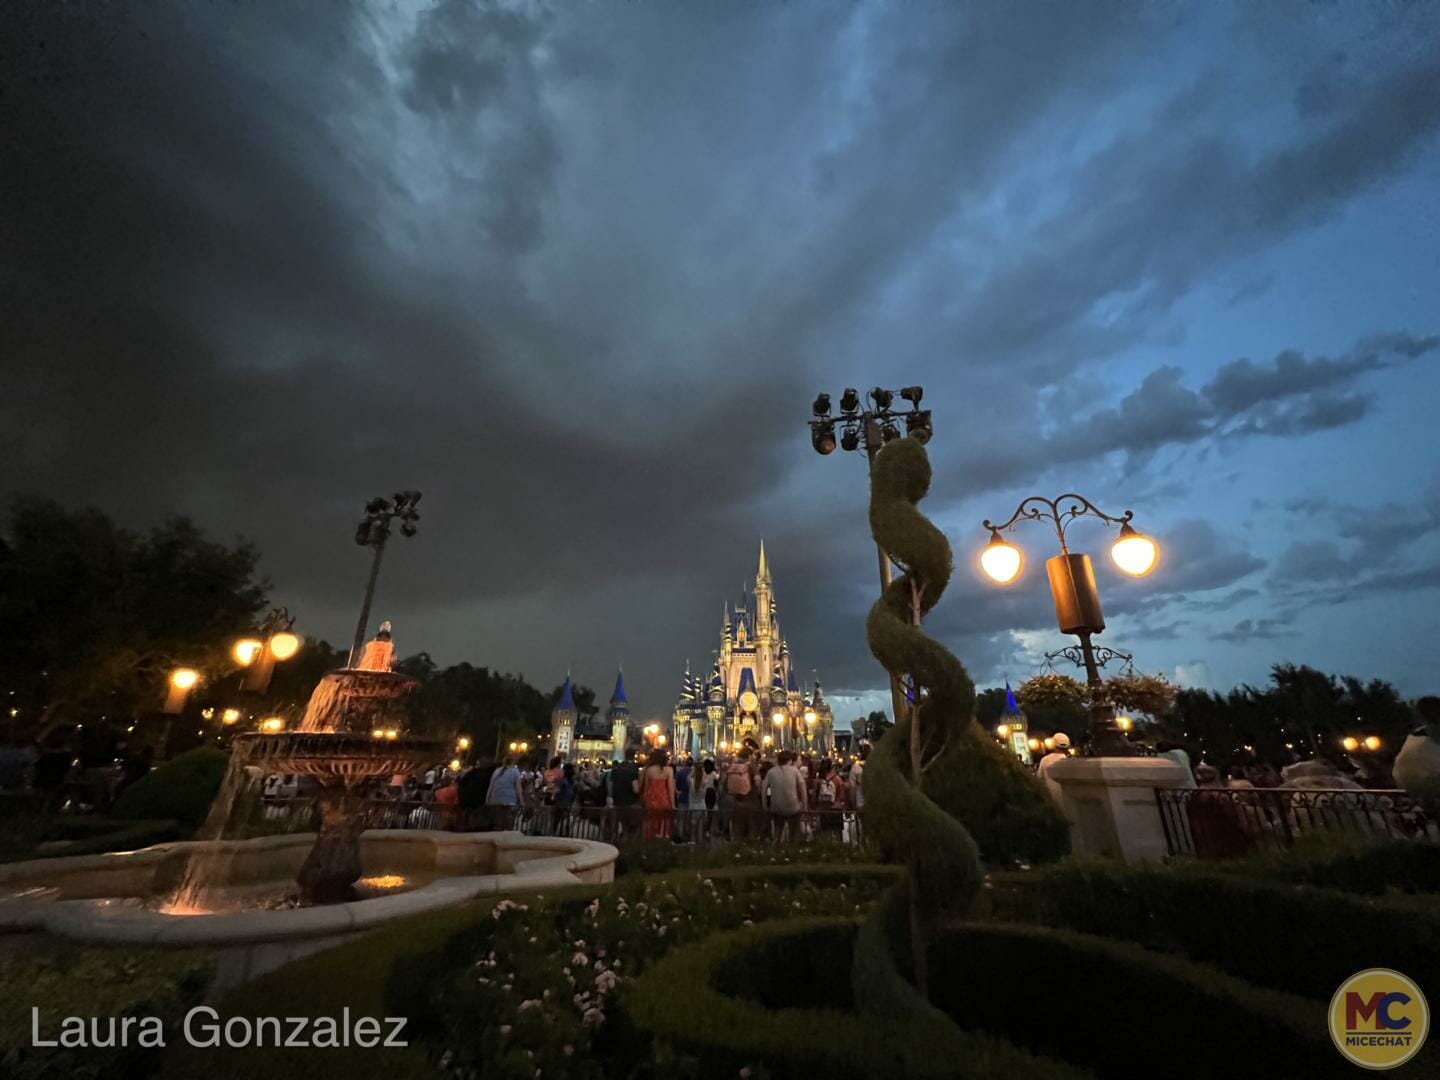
182 789
1369 867
720 1005
116 836
1110 1006
1008 811
1288 937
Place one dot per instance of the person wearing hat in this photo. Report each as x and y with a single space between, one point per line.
1060 743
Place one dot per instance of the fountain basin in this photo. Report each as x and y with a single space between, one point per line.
102 898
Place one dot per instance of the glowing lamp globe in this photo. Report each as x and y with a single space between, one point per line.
810 716
272 725
463 743
1003 731
1350 742
1134 553
184 678
230 716
1124 723
1000 561
1372 743
778 717
245 651
284 645
455 764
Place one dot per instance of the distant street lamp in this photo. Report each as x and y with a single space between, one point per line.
182 681
871 423
1072 586
276 642
373 531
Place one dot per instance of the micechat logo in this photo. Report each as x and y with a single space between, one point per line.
1379 1018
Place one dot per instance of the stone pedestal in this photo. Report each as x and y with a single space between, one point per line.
1110 802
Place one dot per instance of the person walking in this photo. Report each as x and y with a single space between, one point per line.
505 797
784 796
657 792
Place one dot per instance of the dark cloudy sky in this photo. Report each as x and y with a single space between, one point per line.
576 271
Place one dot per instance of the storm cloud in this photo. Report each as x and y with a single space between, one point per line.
576 272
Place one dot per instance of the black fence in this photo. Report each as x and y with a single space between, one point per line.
614 825
1217 823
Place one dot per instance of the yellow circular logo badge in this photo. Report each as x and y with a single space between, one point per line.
1379 1018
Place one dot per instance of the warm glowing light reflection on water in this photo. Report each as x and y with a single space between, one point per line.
382 881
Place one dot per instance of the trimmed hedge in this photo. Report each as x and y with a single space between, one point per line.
1294 938
1007 810
182 789
1369 867
684 1004
110 835
1123 1011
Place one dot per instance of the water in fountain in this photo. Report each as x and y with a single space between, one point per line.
194 895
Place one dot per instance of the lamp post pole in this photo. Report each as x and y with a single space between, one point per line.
872 425
1073 588
373 531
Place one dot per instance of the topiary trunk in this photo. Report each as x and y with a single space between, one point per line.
943 861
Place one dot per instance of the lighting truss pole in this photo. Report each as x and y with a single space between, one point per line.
372 532
871 424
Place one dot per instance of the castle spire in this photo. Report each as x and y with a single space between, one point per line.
763 574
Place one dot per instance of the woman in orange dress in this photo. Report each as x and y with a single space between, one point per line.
657 793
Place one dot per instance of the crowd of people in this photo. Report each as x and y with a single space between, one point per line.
646 795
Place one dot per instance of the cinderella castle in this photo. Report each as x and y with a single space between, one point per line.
751 696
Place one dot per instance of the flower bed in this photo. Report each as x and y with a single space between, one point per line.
544 984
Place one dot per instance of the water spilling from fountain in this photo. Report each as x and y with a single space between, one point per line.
350 737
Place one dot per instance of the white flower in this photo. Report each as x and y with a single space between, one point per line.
504 1029
529 1003
533 940
662 930
581 944
579 960
605 981
594 1016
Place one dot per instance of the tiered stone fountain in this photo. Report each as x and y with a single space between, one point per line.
261 902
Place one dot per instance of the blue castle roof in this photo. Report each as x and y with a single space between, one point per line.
619 694
567 695
1011 705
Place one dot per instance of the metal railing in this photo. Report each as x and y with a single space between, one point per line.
1217 823
616 825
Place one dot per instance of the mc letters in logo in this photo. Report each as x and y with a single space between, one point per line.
1376 1007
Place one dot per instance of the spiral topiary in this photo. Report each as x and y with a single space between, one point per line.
945 872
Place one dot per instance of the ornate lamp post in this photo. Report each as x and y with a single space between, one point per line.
1072 586
373 531
871 423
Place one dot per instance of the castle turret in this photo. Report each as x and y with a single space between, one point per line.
562 721
618 714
